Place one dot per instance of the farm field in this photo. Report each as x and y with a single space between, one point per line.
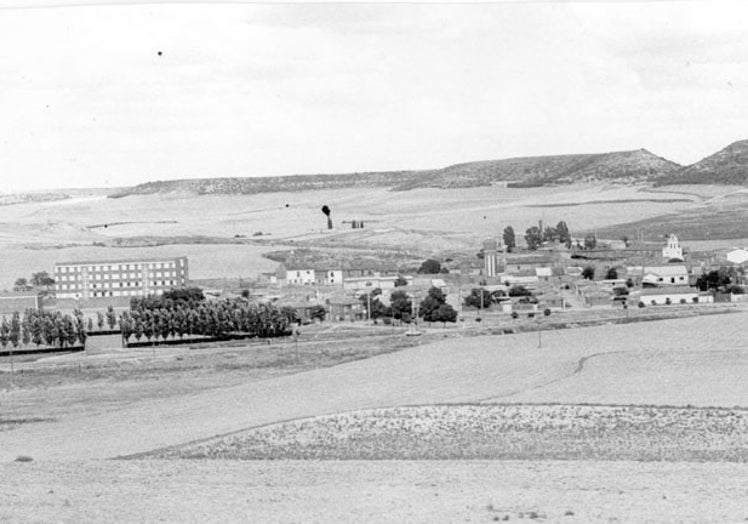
489 369
493 432
220 234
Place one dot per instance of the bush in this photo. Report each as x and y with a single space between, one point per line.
653 302
641 304
683 301
668 301
695 300
515 314
519 291
531 315
547 312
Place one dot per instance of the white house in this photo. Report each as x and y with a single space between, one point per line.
675 275
738 256
673 249
300 276
329 277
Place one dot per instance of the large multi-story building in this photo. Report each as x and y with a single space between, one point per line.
119 278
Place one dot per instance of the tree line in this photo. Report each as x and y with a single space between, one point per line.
53 329
158 317
535 237
433 307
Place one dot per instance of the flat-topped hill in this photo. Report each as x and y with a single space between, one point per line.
639 166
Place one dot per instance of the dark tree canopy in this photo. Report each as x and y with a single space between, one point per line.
611 273
401 305
430 267
519 291
434 307
564 235
716 279
474 298
588 273
550 234
509 239
533 238
590 241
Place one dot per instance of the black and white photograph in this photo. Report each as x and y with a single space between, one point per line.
373 262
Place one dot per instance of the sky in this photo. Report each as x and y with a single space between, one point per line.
109 94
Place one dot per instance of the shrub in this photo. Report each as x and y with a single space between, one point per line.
515 314
668 301
695 300
683 301
641 304
547 312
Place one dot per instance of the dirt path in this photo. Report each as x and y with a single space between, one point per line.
455 370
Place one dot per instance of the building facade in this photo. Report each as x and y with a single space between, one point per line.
673 249
119 278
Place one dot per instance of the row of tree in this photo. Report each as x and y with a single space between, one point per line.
43 328
433 307
535 237
155 318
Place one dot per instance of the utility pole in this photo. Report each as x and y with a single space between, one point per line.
540 331
480 312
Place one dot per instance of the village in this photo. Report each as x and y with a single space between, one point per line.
501 285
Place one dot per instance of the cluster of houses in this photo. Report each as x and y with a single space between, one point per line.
652 277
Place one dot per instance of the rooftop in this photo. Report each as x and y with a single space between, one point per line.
117 261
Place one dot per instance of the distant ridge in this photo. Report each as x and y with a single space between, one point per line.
625 167
728 166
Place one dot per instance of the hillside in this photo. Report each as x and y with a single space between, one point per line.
727 167
638 166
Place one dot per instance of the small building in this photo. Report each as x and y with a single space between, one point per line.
346 309
328 277
543 273
660 296
520 263
675 275
737 256
374 282
300 274
596 297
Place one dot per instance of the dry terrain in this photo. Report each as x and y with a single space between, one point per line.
373 491
116 415
70 413
221 233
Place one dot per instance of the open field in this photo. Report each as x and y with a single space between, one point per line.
143 409
422 221
490 369
372 491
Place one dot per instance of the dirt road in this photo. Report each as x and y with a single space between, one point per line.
499 368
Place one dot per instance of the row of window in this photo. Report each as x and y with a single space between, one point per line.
118 284
116 267
117 276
